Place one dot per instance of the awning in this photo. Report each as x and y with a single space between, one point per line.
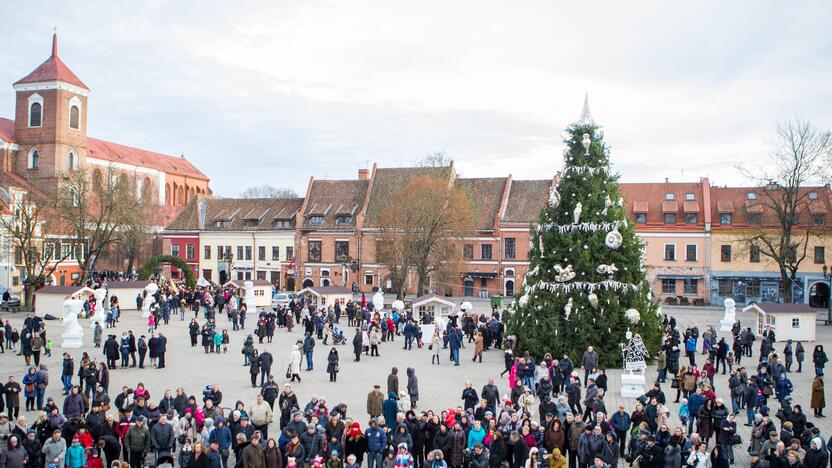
725 206
670 207
752 207
641 207
679 276
817 207
691 207
479 274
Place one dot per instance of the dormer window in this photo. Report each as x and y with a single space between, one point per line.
316 220
343 220
813 195
690 196
223 223
251 223
751 195
669 196
282 224
35 110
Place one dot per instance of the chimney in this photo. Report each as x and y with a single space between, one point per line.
363 174
666 179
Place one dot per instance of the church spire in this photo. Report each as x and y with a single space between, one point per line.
586 115
55 44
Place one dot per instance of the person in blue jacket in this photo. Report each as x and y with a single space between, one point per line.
222 436
454 342
390 409
376 444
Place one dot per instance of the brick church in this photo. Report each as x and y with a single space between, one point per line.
48 137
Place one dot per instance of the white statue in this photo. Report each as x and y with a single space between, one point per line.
73 333
100 294
727 322
149 300
378 301
635 362
576 214
250 295
567 309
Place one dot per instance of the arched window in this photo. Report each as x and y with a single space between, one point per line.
96 179
35 110
74 118
33 159
35 115
73 161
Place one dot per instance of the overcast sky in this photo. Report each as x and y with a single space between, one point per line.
273 92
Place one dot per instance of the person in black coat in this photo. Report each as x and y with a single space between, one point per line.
161 348
332 364
266 361
519 451
357 344
254 367
111 351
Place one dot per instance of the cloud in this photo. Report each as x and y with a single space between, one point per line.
273 92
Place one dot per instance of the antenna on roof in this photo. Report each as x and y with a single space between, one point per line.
182 155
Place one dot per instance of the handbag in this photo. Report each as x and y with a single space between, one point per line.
674 383
767 391
289 372
430 347
736 439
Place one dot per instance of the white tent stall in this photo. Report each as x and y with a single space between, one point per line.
126 292
326 296
50 299
794 322
262 291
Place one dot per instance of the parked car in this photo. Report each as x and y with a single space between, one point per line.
281 299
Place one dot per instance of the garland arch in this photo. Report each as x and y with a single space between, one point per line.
153 262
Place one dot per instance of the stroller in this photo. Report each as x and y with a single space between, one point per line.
338 337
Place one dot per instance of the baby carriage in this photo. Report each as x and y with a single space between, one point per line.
338 337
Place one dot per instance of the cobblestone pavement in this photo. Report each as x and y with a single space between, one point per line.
440 387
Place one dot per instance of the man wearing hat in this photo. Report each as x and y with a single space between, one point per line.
137 441
54 449
375 402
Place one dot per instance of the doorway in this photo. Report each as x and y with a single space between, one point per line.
468 287
819 296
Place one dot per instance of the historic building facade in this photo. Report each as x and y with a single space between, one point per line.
47 138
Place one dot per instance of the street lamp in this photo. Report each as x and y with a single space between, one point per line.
827 275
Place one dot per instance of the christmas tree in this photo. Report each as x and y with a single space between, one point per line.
585 284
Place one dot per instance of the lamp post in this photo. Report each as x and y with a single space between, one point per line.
827 275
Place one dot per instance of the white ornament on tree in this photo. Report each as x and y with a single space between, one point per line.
554 197
593 300
633 315
614 239
576 213
563 274
567 309
607 269
607 205
586 141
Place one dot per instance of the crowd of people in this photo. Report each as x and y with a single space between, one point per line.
546 413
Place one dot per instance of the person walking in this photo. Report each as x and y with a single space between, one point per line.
589 360
308 349
294 364
266 360
412 387
818 401
254 367
357 344
819 359
478 347
799 354
332 364
436 347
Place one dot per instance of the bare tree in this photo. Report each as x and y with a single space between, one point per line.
798 153
434 159
420 226
267 191
26 224
97 211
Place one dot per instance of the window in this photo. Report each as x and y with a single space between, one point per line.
813 195
324 271
248 252
290 253
754 254
261 253
485 250
314 251
74 118
368 280
690 252
641 218
275 253
282 224
818 219
468 251
174 249
691 286
751 195
795 322
755 218
219 253
251 223
691 218
73 161
261 275
668 286
725 218
343 220
342 251
726 287
239 252
670 218
670 252
35 111
316 220
228 251
752 288
511 250
669 196
820 254
483 282
18 256
725 253
690 196
509 272
32 163
207 250
189 251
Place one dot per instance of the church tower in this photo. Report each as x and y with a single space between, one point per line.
50 120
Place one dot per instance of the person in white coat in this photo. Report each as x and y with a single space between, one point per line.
294 363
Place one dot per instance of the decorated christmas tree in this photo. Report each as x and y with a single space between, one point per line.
585 283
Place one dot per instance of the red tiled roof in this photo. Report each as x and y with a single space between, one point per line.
639 198
7 130
525 200
724 199
53 69
484 197
108 151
